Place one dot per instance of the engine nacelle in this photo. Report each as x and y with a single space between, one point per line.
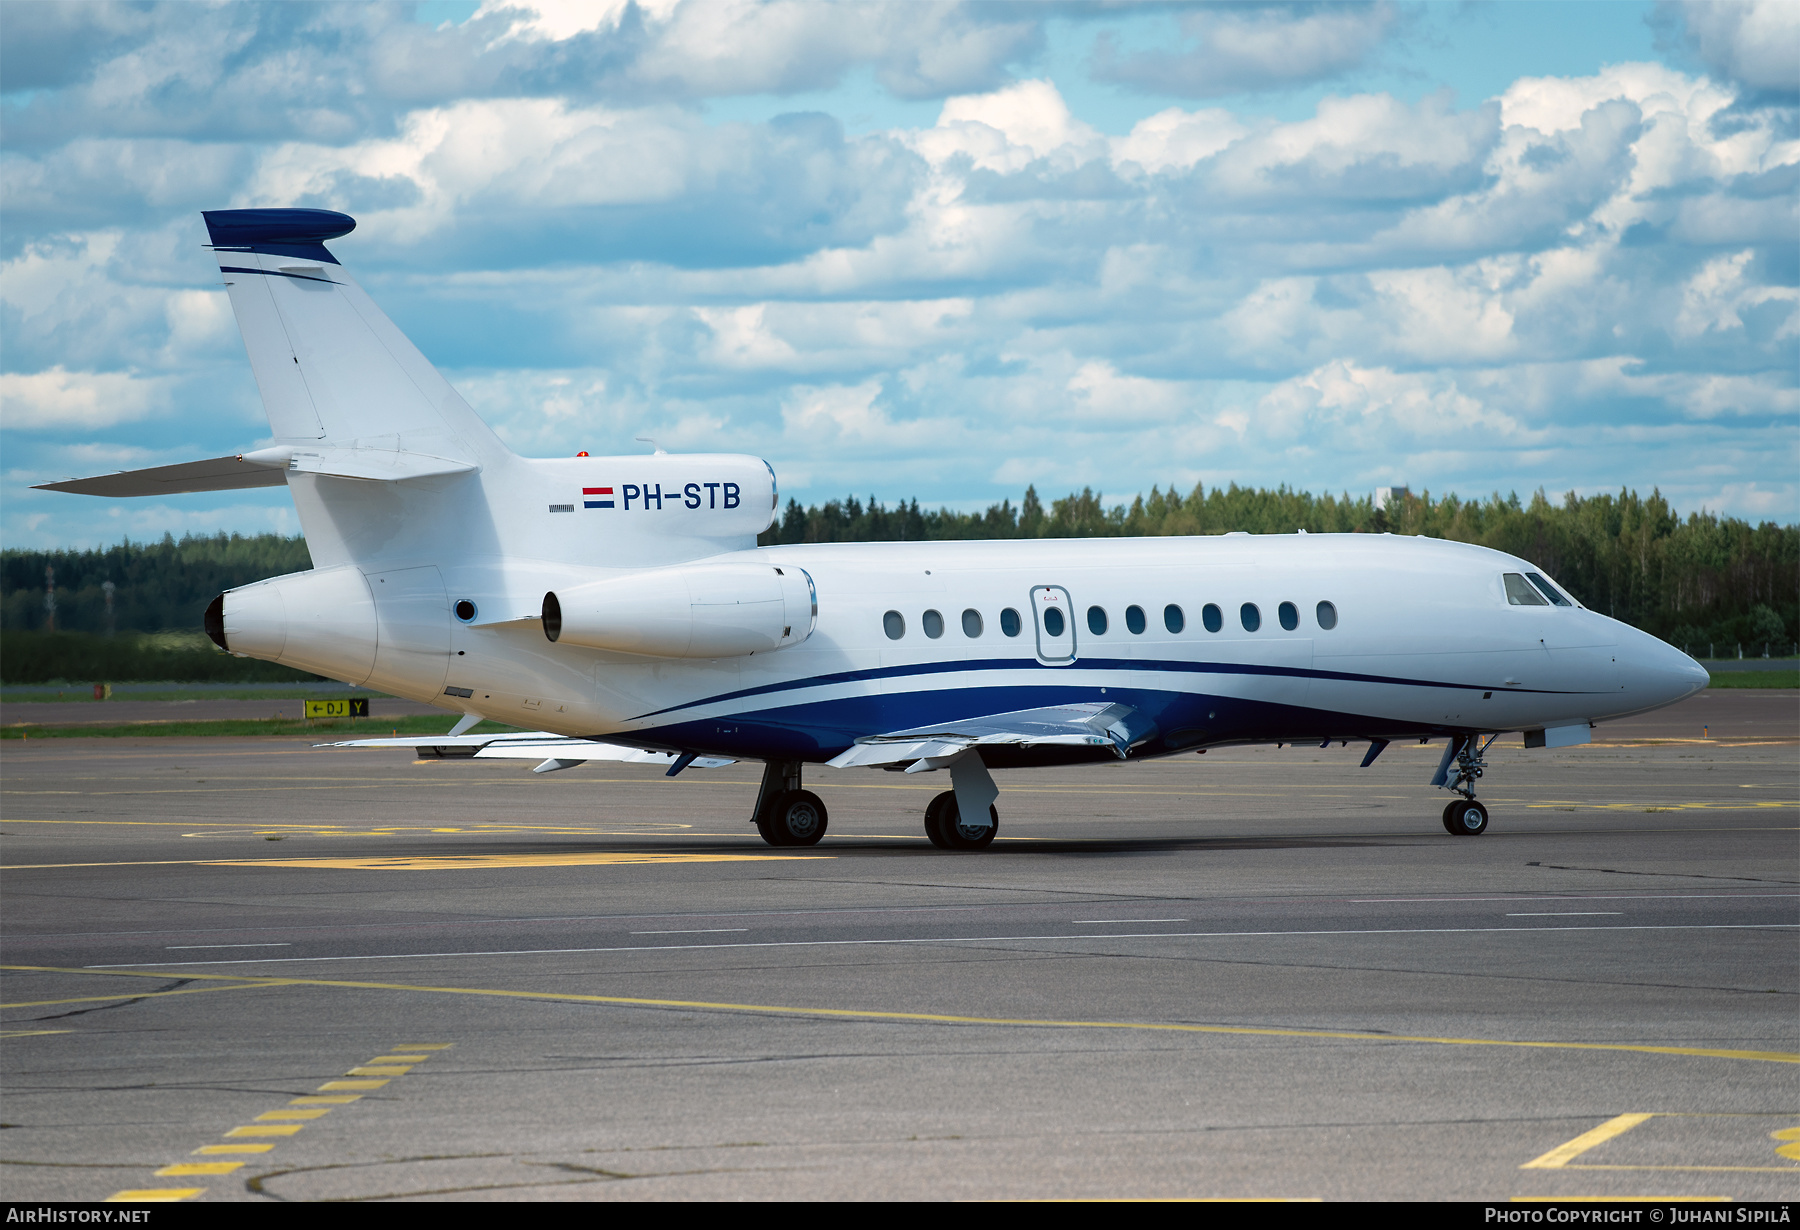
322 621
690 611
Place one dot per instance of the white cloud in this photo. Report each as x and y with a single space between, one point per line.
1251 48
1008 129
1756 42
1175 139
556 20
59 400
844 420
1403 409
1715 297
741 339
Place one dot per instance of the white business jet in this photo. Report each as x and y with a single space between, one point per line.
622 607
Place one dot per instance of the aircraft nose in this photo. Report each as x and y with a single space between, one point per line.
1656 673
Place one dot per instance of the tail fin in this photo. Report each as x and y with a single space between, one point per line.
332 368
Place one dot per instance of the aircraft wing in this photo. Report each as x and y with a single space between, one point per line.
556 751
1119 727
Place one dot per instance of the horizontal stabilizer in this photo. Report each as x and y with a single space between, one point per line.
1119 727
266 467
213 474
373 464
533 745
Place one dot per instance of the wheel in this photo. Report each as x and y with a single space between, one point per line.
1466 818
935 811
943 824
1447 826
795 818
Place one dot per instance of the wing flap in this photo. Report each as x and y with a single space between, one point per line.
1119 727
533 745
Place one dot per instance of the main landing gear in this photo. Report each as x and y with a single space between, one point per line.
943 824
785 814
1464 817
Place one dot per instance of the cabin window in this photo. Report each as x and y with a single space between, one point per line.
1173 619
1053 622
1250 616
465 610
1548 590
1211 616
971 623
1289 615
1327 614
1096 621
1134 620
1520 593
1009 622
894 624
933 623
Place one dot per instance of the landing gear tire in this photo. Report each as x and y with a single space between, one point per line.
794 818
944 826
934 818
1466 818
1447 825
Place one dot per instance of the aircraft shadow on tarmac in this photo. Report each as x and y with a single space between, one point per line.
1001 849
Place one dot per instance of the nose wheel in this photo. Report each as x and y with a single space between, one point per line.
785 814
1465 818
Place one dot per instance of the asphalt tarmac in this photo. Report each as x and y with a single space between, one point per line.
244 969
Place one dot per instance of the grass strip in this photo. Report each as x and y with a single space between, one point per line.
1756 679
363 728
84 694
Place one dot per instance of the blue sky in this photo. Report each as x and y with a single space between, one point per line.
935 249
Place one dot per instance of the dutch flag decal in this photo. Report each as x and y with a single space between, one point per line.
593 491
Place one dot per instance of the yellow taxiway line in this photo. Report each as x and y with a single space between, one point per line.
939 1018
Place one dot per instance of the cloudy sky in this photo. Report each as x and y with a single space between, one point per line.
935 249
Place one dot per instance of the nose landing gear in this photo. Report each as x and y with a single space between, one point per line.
1464 817
785 814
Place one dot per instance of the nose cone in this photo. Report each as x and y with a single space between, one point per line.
1654 673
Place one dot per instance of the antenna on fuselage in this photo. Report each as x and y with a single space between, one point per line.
660 450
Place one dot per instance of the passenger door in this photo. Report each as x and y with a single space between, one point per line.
1054 615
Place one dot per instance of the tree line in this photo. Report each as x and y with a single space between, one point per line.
157 586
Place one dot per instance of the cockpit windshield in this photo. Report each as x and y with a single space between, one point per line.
1548 590
1520 593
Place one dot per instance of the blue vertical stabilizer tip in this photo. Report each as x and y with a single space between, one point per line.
238 228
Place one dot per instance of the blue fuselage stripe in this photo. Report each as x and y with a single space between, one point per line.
1106 664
